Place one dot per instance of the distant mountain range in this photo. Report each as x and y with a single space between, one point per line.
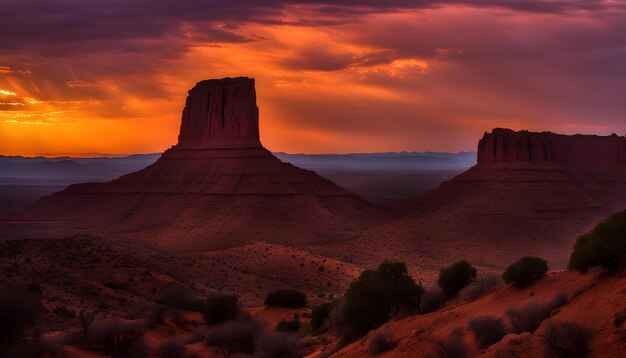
67 170
389 160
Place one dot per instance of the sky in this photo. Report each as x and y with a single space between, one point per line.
87 77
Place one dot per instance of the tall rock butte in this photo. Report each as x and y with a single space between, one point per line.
505 145
218 187
529 194
221 114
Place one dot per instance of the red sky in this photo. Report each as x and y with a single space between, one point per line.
84 77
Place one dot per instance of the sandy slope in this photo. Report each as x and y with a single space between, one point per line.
593 303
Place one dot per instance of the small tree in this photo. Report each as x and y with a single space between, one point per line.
567 339
86 319
220 308
376 295
604 246
525 271
286 298
453 278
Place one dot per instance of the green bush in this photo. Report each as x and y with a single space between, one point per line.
604 246
319 315
220 308
376 295
453 278
525 271
286 298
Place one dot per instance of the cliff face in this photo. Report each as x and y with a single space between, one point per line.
505 145
220 113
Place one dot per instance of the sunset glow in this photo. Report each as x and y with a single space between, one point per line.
331 76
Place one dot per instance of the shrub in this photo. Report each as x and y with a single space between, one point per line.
288 326
566 339
487 330
603 247
452 346
18 311
376 295
527 318
220 308
381 342
479 287
233 337
286 298
319 315
453 278
525 271
115 336
432 299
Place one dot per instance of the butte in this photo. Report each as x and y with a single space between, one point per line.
530 193
217 187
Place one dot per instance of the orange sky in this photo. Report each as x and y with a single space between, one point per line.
330 77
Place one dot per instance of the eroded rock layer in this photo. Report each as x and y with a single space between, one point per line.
505 145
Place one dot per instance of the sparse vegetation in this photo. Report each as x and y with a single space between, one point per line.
525 271
376 295
232 337
487 330
479 287
452 346
456 276
528 317
319 315
288 326
286 298
220 308
603 247
381 342
246 336
432 299
116 337
86 319
567 339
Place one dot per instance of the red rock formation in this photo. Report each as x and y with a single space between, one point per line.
530 194
220 113
218 187
505 145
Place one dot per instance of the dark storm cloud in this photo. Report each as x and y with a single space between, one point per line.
547 62
28 24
